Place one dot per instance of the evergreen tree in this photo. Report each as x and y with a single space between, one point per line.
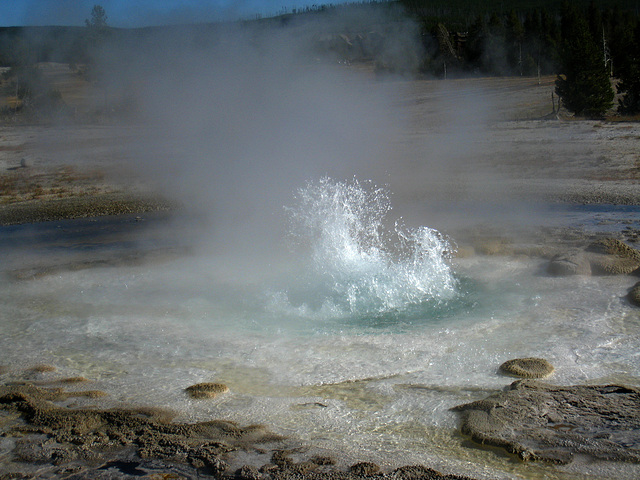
629 74
595 20
514 37
583 84
474 45
97 28
550 40
532 48
476 32
619 28
494 48
98 20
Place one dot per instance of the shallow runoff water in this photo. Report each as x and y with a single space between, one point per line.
357 338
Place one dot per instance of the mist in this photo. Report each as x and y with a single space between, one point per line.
233 118
237 118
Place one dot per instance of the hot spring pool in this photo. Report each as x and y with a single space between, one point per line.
357 339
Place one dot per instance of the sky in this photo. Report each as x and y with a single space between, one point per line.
138 13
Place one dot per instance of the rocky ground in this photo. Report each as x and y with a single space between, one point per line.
537 421
52 441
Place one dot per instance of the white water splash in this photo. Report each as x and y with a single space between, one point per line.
359 265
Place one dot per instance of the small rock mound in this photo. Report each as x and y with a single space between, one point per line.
206 390
608 256
613 246
527 367
574 262
364 469
612 264
611 256
73 380
248 472
42 368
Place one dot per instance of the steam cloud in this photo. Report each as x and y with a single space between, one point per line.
238 118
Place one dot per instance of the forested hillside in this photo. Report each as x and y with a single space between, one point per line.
584 42
518 37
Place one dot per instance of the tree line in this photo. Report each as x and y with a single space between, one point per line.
590 46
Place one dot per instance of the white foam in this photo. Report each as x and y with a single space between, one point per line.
360 265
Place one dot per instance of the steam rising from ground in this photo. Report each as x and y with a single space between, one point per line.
237 118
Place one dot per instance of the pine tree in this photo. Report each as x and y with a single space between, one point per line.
514 37
494 48
583 84
98 18
97 28
474 46
595 19
629 74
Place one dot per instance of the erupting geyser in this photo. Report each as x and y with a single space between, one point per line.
360 266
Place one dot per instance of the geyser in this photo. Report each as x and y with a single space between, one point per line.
359 265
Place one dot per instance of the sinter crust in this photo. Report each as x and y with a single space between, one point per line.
527 367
